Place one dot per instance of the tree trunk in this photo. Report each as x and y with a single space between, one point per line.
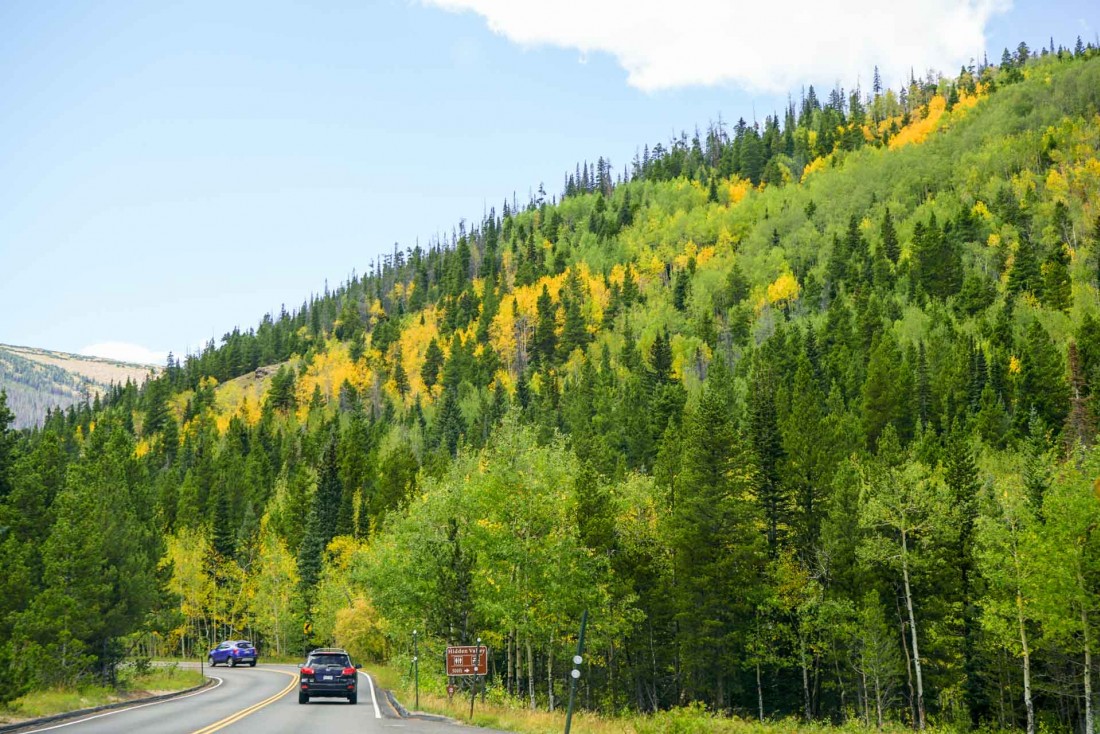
878 701
550 672
862 693
805 680
1030 708
759 694
531 672
1088 669
508 668
913 632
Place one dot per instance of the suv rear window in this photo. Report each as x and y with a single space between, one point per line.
330 660
244 644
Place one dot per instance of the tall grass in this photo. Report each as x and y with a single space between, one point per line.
132 684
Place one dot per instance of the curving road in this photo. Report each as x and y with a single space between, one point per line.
260 700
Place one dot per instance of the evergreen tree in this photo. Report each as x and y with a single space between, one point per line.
433 363
545 339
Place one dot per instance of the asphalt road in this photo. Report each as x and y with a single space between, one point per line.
260 700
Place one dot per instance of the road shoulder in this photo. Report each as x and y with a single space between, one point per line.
25 724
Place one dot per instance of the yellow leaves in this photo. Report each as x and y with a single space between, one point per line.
705 255
1013 365
725 239
328 370
142 448
376 309
690 251
1057 186
502 332
817 164
994 240
981 210
918 130
738 190
784 289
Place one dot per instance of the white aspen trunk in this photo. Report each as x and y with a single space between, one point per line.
759 694
550 672
1088 669
878 701
1028 705
864 702
531 672
913 631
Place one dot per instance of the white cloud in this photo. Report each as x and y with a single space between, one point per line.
760 46
124 352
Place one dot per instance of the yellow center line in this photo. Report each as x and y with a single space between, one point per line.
219 725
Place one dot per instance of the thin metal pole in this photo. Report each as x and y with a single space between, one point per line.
416 669
473 689
575 674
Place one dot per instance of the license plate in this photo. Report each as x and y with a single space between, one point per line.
326 677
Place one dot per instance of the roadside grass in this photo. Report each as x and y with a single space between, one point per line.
131 685
508 714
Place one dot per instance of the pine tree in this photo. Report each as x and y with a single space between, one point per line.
329 494
545 339
767 452
717 554
890 245
400 377
1042 379
433 363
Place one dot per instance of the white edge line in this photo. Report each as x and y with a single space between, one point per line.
130 708
373 698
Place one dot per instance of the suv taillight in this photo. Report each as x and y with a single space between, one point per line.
307 671
349 671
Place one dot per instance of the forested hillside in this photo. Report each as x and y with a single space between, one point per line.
800 412
38 380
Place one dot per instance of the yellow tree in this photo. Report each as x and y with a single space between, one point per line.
189 552
272 589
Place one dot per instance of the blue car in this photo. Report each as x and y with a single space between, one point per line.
234 653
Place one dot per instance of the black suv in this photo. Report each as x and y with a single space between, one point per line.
328 672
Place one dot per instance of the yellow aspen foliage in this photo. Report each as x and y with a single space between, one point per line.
328 370
867 134
1023 185
690 251
502 332
994 240
1057 186
504 379
398 290
817 164
725 239
785 288
981 210
919 129
617 275
141 449
706 254
739 189
414 341
654 267
376 308
1014 365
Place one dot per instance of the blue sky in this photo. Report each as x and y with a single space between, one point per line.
171 170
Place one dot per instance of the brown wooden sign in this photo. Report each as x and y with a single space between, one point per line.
467 660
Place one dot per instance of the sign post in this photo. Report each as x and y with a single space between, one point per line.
477 666
575 674
416 671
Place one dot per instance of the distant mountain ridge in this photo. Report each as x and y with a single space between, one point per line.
39 379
